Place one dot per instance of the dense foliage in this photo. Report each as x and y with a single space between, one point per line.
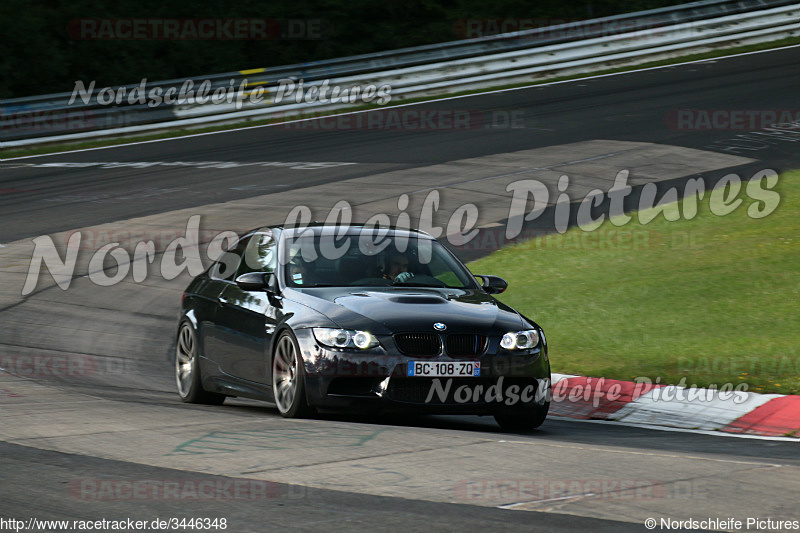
38 54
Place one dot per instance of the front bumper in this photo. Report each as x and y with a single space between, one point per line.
378 378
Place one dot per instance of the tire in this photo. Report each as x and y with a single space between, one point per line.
288 378
187 369
523 420
524 417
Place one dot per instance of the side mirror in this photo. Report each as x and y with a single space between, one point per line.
492 284
256 281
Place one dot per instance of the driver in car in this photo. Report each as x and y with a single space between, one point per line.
398 269
301 272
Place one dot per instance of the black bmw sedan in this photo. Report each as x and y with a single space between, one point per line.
359 318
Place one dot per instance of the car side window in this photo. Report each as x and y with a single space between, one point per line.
225 268
260 255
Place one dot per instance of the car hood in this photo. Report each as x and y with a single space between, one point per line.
394 310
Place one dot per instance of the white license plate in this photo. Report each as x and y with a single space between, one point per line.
457 369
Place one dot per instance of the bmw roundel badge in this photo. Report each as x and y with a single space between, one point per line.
438 326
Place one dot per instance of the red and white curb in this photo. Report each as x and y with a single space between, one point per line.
669 406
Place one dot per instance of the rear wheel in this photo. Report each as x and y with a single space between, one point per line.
187 369
288 378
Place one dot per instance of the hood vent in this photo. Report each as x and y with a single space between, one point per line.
417 300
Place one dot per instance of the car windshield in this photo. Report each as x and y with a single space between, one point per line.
368 260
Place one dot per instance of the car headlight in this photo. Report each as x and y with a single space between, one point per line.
520 340
345 338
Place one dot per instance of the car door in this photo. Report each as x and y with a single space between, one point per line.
221 275
245 320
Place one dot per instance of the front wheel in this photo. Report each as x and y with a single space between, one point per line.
187 369
523 420
526 415
288 378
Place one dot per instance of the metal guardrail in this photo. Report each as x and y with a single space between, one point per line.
432 69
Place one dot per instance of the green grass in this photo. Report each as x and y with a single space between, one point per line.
181 132
713 299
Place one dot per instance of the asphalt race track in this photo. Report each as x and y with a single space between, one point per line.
79 443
